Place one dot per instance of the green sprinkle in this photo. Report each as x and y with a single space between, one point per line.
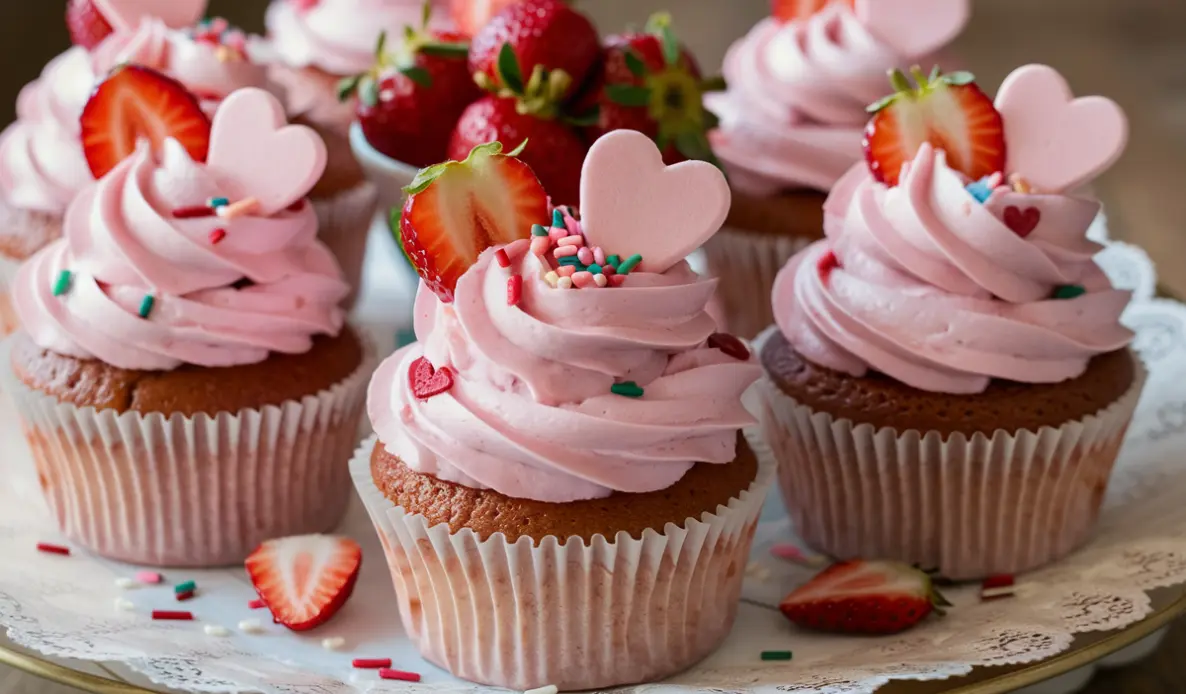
187 587
571 260
63 284
146 305
614 260
629 389
538 230
629 264
776 655
1069 291
218 202
558 219
594 268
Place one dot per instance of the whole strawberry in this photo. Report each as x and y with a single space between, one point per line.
545 34
408 103
88 27
864 597
651 83
471 15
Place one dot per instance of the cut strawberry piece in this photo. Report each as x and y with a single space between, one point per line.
456 210
948 111
304 580
136 103
87 25
471 15
864 597
798 10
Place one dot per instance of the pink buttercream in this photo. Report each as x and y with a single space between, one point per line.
122 242
795 108
936 291
531 414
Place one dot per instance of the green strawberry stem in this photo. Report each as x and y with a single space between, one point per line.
541 95
923 85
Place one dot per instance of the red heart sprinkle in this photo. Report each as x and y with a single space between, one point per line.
427 381
1021 222
729 345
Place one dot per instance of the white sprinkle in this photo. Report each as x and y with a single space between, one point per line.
251 626
124 605
564 283
333 643
126 583
216 630
990 593
550 689
600 280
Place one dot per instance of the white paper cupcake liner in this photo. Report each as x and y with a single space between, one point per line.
196 491
970 507
747 263
344 226
8 318
576 615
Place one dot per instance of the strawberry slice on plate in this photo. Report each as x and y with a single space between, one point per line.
305 580
458 209
864 597
87 25
136 103
948 111
799 10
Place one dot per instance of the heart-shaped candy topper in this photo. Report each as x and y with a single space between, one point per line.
254 153
632 203
914 28
1055 141
126 15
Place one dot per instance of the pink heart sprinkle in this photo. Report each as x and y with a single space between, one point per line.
427 381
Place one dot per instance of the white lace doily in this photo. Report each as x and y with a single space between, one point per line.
65 606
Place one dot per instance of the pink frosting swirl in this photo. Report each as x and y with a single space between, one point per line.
937 291
42 166
122 242
531 414
795 108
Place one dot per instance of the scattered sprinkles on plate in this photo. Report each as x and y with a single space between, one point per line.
996 587
150 577
172 616
48 548
371 663
389 674
777 655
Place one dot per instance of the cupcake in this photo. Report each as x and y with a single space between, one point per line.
42 162
791 126
949 382
185 379
558 481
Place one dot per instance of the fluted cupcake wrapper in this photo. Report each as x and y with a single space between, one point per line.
8 318
968 506
196 491
576 615
747 263
344 225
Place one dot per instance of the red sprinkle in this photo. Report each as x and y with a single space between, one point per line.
297 206
53 549
217 235
193 212
182 597
389 674
257 604
827 263
371 663
1003 581
503 259
616 280
169 615
514 290
730 345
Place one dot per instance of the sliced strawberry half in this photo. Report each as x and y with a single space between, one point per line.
864 597
305 580
458 209
87 25
136 103
798 10
948 111
471 15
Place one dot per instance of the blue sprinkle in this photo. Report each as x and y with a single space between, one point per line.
980 190
595 269
558 219
573 261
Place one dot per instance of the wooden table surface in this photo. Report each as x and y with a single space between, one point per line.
1133 51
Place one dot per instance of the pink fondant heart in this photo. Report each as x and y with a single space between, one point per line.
632 203
914 28
1022 222
427 381
1056 142
255 153
125 15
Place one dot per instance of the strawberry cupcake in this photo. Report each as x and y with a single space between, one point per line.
791 124
185 379
559 479
949 382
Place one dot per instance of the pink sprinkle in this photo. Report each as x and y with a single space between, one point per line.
53 549
571 241
389 674
586 256
149 577
564 251
617 280
583 279
540 245
794 554
599 256
609 270
217 235
257 604
514 290
371 663
238 209
171 615
566 270
503 259
557 233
